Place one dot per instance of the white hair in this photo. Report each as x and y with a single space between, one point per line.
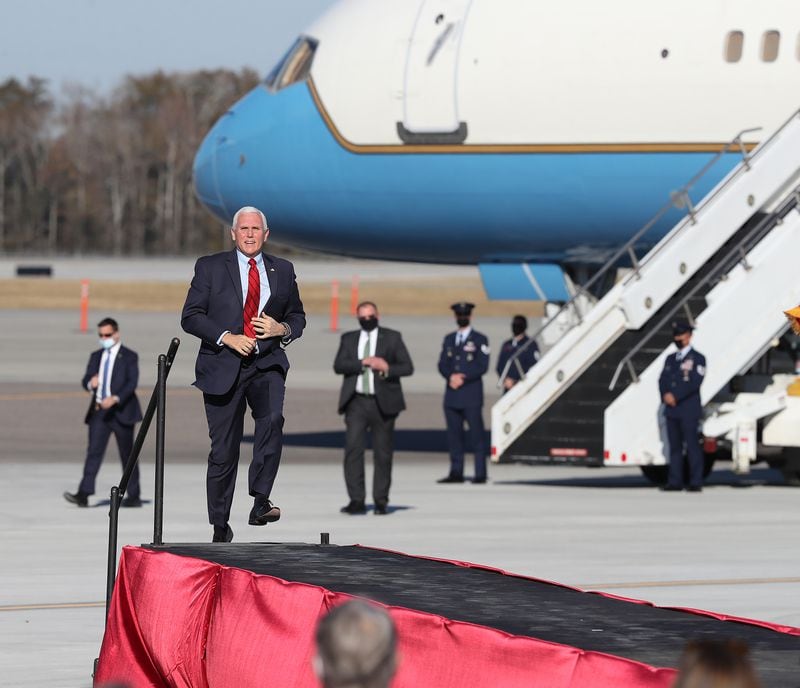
249 209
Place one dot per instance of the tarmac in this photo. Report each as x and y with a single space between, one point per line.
729 549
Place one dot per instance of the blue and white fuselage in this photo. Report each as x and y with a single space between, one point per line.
478 131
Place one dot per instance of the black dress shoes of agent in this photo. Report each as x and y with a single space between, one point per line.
452 478
263 512
381 508
354 507
78 499
222 534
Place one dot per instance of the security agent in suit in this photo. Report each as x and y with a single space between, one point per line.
111 376
245 307
524 360
463 362
372 360
679 385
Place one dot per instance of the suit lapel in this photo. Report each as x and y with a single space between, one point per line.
380 344
272 278
232 263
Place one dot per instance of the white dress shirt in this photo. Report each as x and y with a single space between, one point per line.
110 354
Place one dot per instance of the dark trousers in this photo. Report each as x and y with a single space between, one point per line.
473 417
101 425
683 431
263 391
361 415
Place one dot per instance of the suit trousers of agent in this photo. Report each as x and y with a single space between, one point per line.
263 391
101 425
362 414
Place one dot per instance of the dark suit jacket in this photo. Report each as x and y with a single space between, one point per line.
124 378
388 391
214 304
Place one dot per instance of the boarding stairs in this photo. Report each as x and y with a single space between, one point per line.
746 295
556 412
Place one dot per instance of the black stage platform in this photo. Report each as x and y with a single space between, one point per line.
518 606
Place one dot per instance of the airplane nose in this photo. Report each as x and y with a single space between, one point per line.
206 168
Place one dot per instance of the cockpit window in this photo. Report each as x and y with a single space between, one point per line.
294 66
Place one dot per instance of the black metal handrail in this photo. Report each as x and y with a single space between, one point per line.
737 254
157 402
679 198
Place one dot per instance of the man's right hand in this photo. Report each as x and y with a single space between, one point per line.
240 343
94 382
669 399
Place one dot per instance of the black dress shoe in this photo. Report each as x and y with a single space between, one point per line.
131 502
222 534
263 512
381 508
452 478
354 507
79 499
670 488
478 481
694 488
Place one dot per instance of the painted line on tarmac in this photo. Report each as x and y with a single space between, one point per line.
38 396
57 605
690 583
588 586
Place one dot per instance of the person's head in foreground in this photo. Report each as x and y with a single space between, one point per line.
356 647
716 664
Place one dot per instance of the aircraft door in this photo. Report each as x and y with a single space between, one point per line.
430 105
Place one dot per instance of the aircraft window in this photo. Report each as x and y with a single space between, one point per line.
294 66
769 46
733 46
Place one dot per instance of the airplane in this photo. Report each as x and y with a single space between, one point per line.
523 136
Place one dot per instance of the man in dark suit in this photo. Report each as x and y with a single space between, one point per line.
463 362
520 350
111 376
245 308
372 360
679 385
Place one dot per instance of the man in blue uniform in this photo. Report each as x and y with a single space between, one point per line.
524 354
463 362
679 385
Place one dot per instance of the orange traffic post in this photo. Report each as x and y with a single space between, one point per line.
354 295
84 305
334 305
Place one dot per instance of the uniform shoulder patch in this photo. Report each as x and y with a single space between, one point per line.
485 349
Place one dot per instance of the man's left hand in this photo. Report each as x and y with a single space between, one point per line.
108 402
508 383
267 327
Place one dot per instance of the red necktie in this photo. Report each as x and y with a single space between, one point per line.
253 295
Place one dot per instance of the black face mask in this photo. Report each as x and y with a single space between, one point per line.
517 329
368 324
462 321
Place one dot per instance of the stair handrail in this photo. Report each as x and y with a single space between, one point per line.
737 254
681 196
157 402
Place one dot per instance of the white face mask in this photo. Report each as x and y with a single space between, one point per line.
107 342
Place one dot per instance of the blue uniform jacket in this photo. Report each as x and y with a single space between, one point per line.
526 359
472 359
683 379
